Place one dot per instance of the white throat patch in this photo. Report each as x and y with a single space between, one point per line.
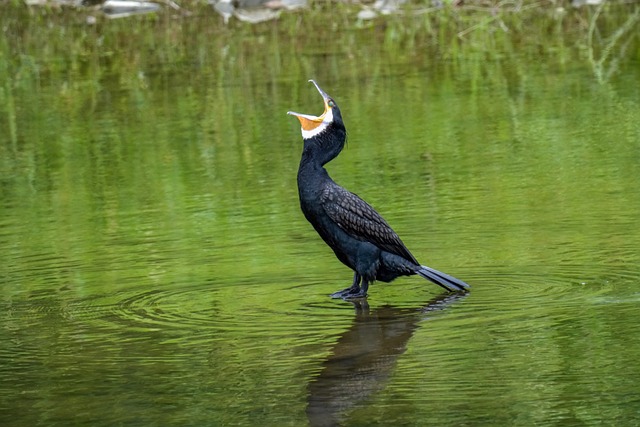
326 121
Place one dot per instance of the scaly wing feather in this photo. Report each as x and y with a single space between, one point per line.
358 219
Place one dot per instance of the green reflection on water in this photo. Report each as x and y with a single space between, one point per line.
156 268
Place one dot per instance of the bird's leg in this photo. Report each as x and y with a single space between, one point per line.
361 293
352 290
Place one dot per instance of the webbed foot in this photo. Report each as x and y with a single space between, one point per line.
354 291
349 293
358 295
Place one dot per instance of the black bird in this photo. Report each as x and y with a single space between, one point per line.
361 239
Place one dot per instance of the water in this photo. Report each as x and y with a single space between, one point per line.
156 269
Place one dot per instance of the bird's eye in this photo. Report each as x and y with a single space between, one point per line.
331 103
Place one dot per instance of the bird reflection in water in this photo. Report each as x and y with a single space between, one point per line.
364 357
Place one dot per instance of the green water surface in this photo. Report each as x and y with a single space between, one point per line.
156 270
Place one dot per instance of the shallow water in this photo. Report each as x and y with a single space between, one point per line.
156 269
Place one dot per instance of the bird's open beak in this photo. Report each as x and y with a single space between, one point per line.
309 122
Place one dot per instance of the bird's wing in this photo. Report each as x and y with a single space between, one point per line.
358 219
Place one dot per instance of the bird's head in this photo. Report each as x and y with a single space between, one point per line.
315 125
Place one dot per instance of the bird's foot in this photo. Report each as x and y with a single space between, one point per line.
350 293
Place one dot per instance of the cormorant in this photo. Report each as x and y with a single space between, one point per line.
358 235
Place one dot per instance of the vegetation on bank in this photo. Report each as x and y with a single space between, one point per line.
605 32
60 44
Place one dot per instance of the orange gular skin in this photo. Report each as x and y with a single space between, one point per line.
312 123
309 122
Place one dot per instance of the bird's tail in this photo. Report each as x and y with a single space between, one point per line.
450 283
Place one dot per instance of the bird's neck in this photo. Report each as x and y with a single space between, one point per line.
324 147
311 175
317 152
